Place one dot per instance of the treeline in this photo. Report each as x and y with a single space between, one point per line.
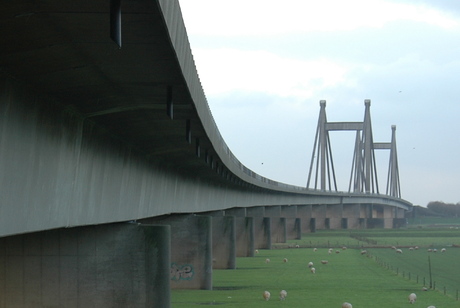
444 209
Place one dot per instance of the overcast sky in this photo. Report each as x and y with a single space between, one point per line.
265 65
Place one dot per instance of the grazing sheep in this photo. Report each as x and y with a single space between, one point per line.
330 250
412 298
443 250
283 295
347 305
313 270
315 249
435 250
431 307
430 250
267 260
398 251
257 250
411 248
297 246
393 247
266 295
310 264
337 251
416 247
344 248
363 252
324 262
285 260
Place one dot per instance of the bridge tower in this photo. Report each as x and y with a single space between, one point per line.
363 177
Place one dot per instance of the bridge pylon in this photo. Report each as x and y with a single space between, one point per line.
363 176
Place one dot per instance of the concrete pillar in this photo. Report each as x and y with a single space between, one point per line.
278 230
236 211
352 213
257 211
273 211
335 213
223 242
191 250
293 228
289 211
115 265
262 232
319 213
244 229
388 216
304 212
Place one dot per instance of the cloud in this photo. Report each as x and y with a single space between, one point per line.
271 17
226 70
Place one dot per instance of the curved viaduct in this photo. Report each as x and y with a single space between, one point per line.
107 141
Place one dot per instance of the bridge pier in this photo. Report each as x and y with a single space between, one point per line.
191 250
334 213
293 222
114 265
319 213
305 214
262 227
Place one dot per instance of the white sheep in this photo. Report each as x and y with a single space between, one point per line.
283 295
443 250
347 305
310 264
285 260
324 262
431 307
267 260
315 249
257 250
398 251
412 298
313 270
266 295
363 252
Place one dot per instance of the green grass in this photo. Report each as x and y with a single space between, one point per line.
348 276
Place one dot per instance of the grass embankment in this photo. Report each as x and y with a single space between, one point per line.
349 276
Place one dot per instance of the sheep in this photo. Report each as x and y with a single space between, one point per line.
313 270
363 252
283 295
443 250
424 289
347 305
257 251
337 251
412 298
330 250
398 251
324 262
285 260
297 246
315 249
267 260
344 248
266 295
310 264
431 307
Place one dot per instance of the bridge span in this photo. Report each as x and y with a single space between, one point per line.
115 182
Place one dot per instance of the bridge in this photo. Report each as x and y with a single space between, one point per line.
116 185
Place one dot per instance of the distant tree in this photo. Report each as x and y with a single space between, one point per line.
445 209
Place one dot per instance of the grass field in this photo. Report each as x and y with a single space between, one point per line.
380 278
